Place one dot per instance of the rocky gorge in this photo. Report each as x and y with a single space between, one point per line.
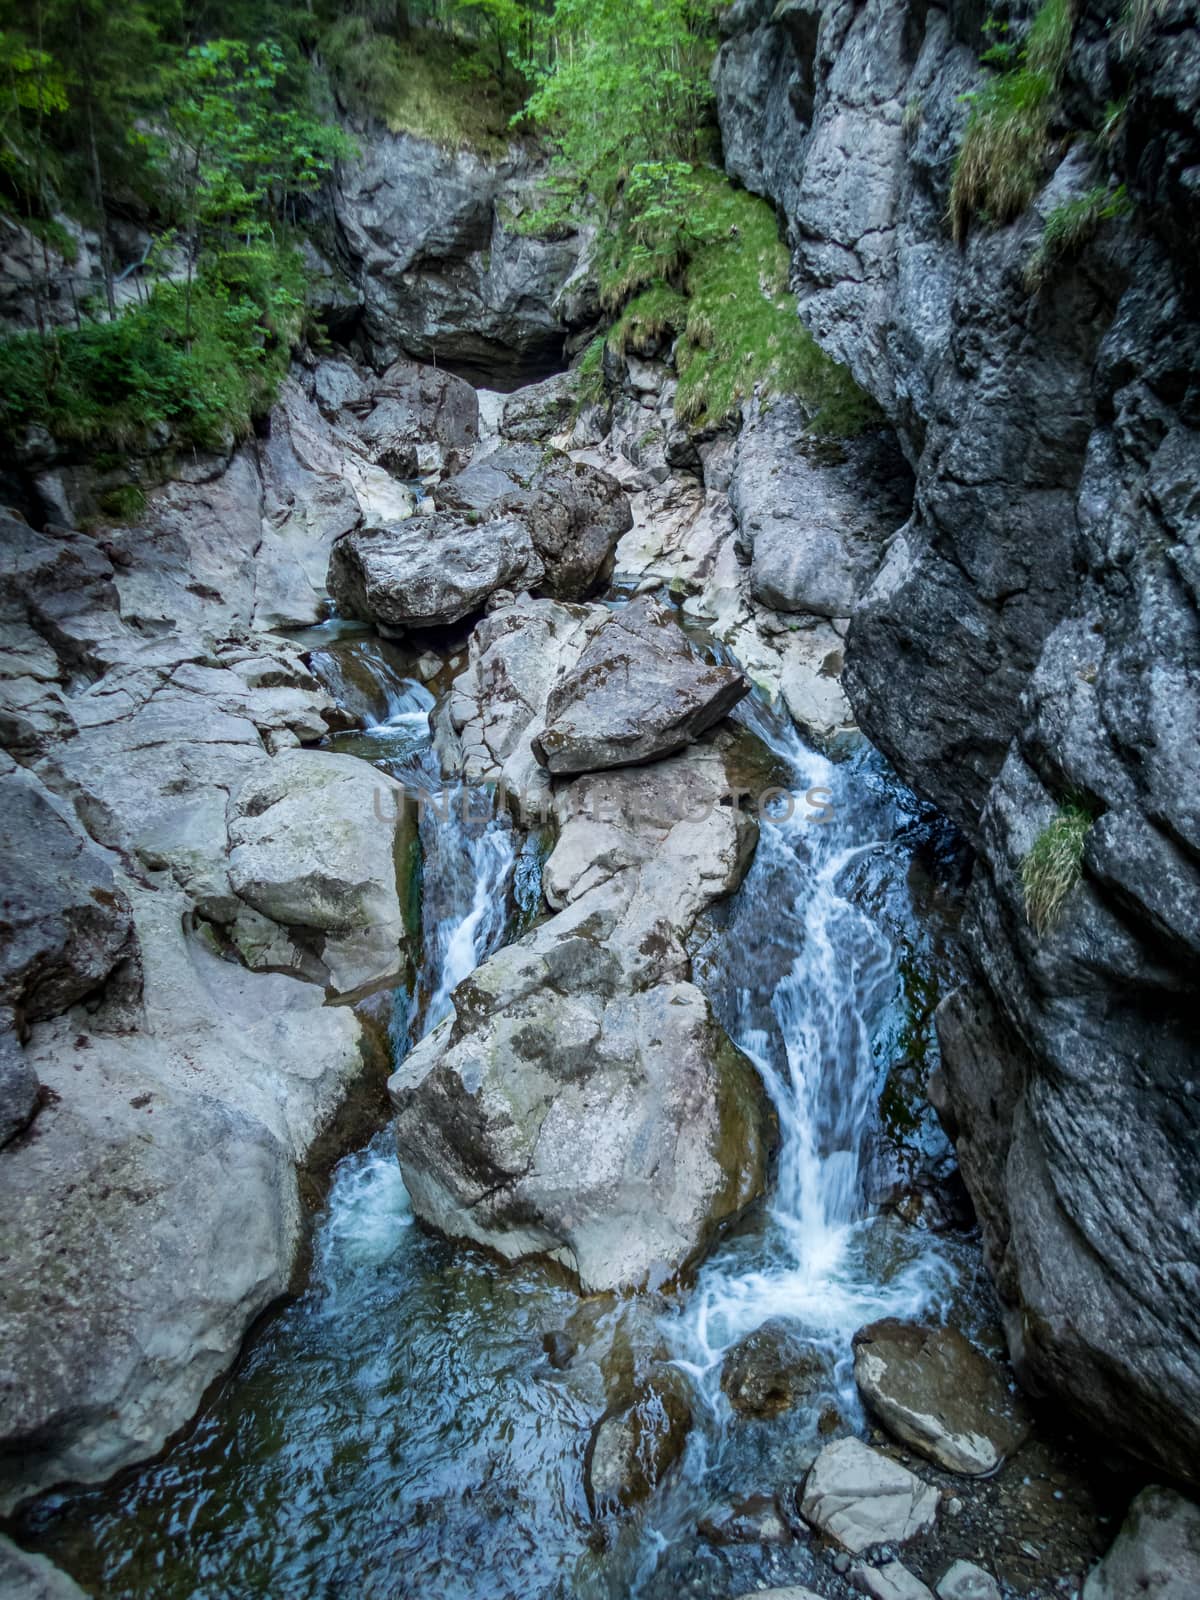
632 634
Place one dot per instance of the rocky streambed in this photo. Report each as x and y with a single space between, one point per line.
673 1283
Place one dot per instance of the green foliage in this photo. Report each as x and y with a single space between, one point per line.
660 222
626 85
651 314
999 164
1053 865
1070 225
116 385
431 83
125 502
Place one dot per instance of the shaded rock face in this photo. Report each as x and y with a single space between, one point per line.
813 516
430 570
412 419
861 1498
638 691
933 1390
1156 1553
441 275
1031 638
28 1577
167 1058
540 410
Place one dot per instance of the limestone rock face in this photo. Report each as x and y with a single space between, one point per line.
315 843
861 1498
1030 635
540 410
639 690
430 570
813 516
441 275
29 1577
933 1390
65 923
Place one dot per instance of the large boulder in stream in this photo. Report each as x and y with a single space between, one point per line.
318 845
932 1389
429 571
638 691
575 512
612 1132
583 1103
861 1498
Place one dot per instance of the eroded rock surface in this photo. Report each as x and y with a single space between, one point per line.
1156 1553
639 690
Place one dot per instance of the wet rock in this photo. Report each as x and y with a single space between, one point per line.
770 1370
791 1592
932 1389
430 570
965 1581
24 1576
638 691
559 1348
811 684
540 410
65 922
19 1087
315 844
813 518
631 1450
614 1133
892 1581
861 1498
1156 1554
754 1520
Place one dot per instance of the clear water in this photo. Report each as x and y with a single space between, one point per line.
397 1430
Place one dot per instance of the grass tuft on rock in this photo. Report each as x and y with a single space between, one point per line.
1053 866
999 164
1070 226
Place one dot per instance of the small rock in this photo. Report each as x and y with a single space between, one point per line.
890 1582
861 1498
1156 1555
965 1581
932 1389
755 1520
559 1348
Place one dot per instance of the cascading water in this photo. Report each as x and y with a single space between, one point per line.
397 1430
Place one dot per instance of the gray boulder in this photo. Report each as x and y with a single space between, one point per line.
576 513
430 570
65 924
861 1498
933 1390
813 516
892 1581
538 411
418 419
317 842
965 1581
558 1116
1156 1555
638 691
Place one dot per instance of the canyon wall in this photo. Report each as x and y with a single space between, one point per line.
1031 640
